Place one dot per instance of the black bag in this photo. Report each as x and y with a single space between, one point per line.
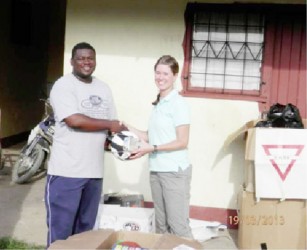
282 116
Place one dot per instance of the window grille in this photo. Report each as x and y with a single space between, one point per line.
226 52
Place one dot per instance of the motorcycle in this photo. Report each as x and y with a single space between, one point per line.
35 153
1 160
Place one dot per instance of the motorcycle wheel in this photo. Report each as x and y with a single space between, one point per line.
27 165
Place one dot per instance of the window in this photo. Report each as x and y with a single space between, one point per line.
223 51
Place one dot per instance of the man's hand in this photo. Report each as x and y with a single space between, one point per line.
117 126
85 123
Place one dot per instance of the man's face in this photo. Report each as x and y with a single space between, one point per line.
84 63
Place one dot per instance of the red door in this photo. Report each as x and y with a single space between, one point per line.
284 67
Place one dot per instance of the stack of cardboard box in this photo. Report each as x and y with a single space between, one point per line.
116 224
269 223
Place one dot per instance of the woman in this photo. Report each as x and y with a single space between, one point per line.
166 142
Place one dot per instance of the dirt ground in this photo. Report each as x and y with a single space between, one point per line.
23 214
22 207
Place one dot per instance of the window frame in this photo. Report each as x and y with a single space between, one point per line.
217 93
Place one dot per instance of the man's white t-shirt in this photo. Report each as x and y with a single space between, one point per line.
76 153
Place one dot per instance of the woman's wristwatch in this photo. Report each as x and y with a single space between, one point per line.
155 149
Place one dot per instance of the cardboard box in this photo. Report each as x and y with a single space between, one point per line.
271 223
281 163
249 176
248 167
251 137
250 144
106 238
125 200
276 163
126 218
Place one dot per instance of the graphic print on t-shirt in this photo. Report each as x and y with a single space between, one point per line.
95 107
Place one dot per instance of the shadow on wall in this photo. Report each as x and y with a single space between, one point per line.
234 146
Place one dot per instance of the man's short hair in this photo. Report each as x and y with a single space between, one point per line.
82 45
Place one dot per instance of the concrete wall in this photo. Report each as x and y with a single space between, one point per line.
129 36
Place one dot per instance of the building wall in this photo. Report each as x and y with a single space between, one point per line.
129 36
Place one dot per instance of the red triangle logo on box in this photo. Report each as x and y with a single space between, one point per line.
291 157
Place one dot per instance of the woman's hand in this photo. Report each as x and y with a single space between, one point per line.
144 149
139 133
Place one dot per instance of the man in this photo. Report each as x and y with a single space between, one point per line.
84 113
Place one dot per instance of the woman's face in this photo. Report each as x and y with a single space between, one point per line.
164 78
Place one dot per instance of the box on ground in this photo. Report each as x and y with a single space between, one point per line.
125 200
106 238
272 223
248 167
248 130
286 138
125 218
276 163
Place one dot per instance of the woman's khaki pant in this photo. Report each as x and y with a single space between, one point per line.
171 197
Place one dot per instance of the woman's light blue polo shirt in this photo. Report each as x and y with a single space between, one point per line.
170 112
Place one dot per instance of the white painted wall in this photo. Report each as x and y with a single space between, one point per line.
129 36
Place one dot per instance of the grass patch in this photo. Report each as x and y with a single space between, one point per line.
10 243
